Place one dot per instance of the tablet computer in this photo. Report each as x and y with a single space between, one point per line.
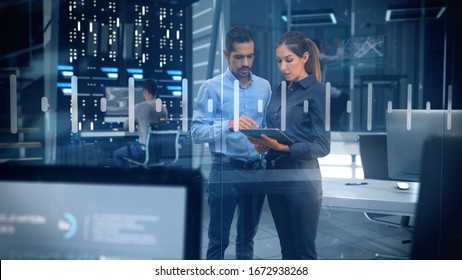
270 132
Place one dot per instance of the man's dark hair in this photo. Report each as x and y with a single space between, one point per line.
151 86
238 34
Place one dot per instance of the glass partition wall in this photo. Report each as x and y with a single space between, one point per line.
58 58
377 56
388 52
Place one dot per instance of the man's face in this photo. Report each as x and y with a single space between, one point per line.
241 59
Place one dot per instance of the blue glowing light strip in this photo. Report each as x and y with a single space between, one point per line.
173 88
174 72
65 67
63 85
110 69
134 71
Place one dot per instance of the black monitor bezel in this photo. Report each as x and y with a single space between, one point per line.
164 176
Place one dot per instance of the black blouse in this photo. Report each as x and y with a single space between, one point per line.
305 119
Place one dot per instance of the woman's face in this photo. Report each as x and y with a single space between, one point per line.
291 65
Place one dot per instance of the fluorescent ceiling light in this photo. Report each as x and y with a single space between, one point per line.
310 18
397 13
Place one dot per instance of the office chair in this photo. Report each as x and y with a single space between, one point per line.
373 152
438 229
162 147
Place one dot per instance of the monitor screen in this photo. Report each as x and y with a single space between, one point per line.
406 137
367 51
373 152
99 213
117 100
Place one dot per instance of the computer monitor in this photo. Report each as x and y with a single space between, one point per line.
117 103
373 152
405 139
62 212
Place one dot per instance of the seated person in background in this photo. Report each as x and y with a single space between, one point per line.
145 113
338 98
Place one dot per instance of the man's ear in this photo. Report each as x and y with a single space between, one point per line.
226 53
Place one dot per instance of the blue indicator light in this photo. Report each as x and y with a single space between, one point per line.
65 67
63 85
175 72
134 71
174 88
109 69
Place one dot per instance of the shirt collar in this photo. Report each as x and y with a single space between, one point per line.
232 78
304 83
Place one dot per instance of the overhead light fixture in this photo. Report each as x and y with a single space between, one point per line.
406 13
311 18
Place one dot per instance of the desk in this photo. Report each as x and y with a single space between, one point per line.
98 145
344 143
107 133
102 143
378 196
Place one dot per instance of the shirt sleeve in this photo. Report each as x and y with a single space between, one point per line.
206 125
317 143
265 106
339 55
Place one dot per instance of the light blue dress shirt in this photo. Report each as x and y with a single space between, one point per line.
214 108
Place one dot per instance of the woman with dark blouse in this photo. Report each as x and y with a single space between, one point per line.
293 176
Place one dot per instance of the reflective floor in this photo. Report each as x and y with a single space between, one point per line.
341 235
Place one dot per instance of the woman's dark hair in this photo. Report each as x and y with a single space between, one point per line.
151 86
297 43
238 34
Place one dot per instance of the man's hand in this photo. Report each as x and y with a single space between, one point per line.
244 123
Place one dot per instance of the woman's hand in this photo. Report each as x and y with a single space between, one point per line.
261 149
268 143
274 144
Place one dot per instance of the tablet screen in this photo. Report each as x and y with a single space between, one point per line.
270 132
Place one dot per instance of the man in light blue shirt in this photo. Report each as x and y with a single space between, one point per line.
145 113
235 178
